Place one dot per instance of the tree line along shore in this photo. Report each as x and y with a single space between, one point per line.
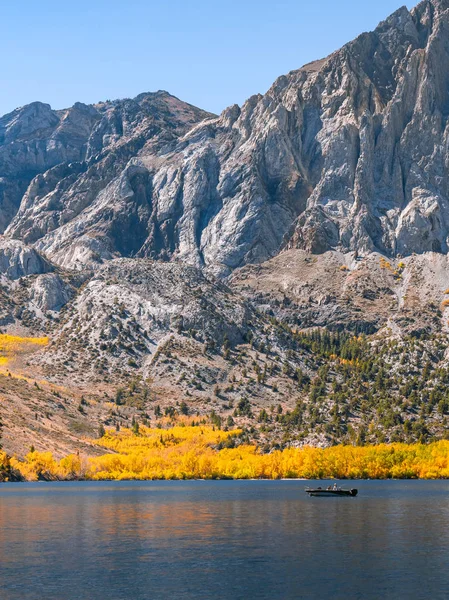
190 450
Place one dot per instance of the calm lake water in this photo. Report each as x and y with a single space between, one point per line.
222 540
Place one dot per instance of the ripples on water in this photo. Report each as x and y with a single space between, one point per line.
222 540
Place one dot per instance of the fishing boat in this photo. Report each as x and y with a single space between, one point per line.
332 490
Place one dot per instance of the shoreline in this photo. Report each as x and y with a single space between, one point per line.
186 480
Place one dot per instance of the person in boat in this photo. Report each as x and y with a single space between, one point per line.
335 487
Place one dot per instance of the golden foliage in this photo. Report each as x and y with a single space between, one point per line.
14 342
4 466
186 452
36 465
13 345
182 452
42 465
384 264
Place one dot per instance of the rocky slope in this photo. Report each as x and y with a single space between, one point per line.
273 352
32 289
54 164
340 291
348 152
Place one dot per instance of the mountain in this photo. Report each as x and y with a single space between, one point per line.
345 153
303 349
55 165
282 268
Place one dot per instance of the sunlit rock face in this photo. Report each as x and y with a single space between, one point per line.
347 153
381 146
54 164
18 260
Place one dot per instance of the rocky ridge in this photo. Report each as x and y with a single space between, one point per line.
54 164
346 153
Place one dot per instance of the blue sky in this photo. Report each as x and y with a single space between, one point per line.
211 54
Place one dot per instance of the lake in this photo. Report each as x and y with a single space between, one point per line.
222 540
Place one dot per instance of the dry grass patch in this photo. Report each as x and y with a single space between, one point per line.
12 346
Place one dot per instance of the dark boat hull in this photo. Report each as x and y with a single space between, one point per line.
334 493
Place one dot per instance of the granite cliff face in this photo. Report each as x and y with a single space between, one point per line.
55 164
349 152
382 141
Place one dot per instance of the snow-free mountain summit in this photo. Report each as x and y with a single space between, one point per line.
349 152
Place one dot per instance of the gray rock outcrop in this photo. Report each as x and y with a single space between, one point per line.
53 164
18 260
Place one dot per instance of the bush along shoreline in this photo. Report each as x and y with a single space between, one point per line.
188 451
7 472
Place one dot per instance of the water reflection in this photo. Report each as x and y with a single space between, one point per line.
222 540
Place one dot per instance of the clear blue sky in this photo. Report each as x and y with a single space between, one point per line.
210 53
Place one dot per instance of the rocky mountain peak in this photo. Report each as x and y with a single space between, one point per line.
345 153
47 155
35 118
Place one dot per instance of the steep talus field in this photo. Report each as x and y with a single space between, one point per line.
342 291
281 269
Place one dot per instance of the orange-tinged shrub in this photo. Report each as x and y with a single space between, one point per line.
192 453
37 465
